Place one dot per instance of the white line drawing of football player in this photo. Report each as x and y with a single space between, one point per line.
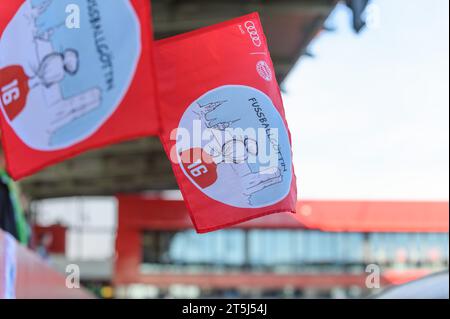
36 11
52 70
217 128
214 123
236 152
228 149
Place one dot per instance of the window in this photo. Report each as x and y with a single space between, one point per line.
269 249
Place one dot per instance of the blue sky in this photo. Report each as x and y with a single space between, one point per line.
369 113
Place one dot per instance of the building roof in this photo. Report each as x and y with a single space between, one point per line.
332 216
374 216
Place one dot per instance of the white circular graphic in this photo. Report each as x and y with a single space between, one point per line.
58 86
237 125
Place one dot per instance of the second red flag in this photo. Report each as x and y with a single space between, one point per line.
223 124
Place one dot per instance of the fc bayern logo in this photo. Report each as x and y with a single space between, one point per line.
264 70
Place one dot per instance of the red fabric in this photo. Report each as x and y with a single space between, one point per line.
134 117
233 53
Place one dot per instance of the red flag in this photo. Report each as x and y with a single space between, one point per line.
223 124
74 75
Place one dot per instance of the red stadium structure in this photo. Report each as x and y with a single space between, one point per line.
148 224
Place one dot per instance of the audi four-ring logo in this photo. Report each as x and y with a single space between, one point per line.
251 29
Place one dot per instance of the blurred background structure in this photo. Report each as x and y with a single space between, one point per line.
145 247
142 245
